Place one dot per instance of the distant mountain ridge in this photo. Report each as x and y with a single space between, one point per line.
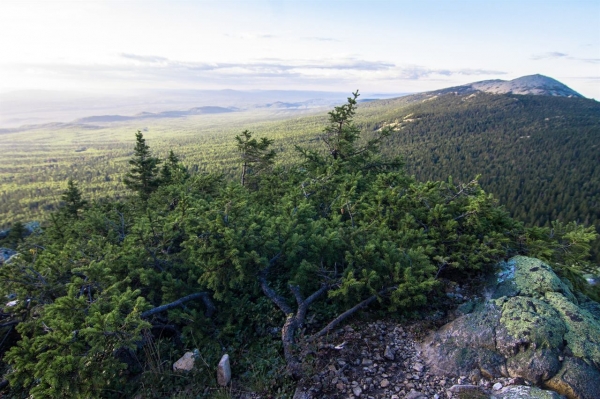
148 115
538 85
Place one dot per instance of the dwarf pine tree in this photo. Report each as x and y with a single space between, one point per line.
172 170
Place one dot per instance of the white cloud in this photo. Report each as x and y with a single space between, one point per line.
549 55
130 71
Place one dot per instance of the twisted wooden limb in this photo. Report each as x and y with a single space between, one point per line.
210 307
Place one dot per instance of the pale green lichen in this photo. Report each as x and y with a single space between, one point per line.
583 329
532 322
524 392
534 278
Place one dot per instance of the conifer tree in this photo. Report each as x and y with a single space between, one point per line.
73 199
255 154
171 168
341 134
143 176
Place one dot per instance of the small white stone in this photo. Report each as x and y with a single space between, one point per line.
357 391
497 386
185 363
224 371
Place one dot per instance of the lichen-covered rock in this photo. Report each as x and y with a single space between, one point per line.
576 379
528 323
524 392
532 327
535 365
533 278
583 328
465 344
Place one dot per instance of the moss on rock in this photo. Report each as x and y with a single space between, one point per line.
531 326
582 328
523 392
530 323
534 278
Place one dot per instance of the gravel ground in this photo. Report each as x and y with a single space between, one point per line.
381 360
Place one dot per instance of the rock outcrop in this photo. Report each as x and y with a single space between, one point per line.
6 254
530 326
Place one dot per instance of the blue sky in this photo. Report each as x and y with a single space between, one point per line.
376 46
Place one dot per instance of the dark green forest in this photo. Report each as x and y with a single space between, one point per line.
538 155
110 291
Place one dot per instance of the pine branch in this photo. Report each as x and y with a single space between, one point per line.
10 323
335 322
271 294
210 307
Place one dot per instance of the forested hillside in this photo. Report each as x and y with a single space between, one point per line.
538 155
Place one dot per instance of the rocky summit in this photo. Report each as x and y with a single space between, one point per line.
539 85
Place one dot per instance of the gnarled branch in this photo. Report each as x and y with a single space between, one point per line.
210 307
335 322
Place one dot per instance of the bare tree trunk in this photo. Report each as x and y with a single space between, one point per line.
293 320
244 167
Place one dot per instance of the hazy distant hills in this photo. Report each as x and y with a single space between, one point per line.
538 85
40 109
32 109
150 115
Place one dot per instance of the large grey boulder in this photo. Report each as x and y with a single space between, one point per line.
524 392
531 325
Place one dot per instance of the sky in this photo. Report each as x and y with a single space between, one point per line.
393 46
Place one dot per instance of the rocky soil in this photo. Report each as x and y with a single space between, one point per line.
381 360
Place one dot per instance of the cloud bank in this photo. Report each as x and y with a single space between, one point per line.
151 70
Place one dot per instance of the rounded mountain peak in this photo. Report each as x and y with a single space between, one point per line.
531 84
